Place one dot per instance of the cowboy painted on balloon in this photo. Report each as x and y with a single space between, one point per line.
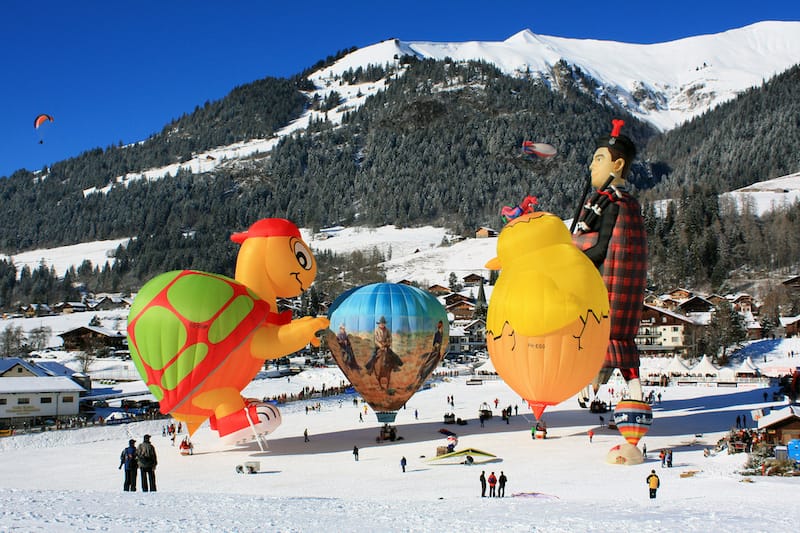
198 339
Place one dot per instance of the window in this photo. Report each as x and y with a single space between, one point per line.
3 401
23 401
67 399
45 399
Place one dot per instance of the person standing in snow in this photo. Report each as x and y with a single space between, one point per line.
653 483
403 463
492 482
127 460
355 452
483 483
501 485
147 459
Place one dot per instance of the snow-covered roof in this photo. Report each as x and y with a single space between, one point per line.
778 415
38 384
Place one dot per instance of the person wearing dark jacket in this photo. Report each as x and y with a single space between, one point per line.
127 460
501 485
483 483
147 459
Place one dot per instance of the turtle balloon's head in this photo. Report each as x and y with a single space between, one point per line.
274 260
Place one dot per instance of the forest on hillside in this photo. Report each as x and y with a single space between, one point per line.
441 145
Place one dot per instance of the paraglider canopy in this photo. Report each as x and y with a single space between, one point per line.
38 121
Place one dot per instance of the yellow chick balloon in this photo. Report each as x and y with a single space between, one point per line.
547 325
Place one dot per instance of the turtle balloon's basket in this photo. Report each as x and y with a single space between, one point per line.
249 467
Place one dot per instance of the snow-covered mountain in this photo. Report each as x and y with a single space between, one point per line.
665 84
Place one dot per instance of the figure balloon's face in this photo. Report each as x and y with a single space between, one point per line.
604 165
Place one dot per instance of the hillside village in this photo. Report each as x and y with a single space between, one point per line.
672 324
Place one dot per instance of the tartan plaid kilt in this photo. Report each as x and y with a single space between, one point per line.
624 272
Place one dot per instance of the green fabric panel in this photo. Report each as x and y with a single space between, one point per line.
160 335
199 297
184 365
149 291
230 318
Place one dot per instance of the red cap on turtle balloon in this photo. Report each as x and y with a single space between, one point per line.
268 227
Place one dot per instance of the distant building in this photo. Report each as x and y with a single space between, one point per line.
33 399
92 337
484 232
781 425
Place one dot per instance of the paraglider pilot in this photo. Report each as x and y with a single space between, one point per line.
610 231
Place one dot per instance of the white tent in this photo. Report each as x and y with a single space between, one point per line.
704 368
747 368
486 368
677 367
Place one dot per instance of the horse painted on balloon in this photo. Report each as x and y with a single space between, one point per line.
386 362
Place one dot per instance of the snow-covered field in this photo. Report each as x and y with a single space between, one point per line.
68 480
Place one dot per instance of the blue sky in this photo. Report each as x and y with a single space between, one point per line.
118 71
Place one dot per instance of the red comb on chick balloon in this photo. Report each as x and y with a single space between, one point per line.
526 206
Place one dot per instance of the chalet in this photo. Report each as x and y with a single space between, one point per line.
680 294
455 297
663 332
461 309
70 307
484 232
109 302
793 284
439 290
472 280
696 304
742 303
91 337
34 310
791 325
781 425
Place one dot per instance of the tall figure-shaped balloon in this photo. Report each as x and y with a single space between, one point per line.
547 325
610 231
198 339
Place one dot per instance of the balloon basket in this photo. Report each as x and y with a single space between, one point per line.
625 454
386 417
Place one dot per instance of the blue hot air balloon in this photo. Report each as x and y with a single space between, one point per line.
387 338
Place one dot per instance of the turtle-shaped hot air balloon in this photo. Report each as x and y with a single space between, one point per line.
198 339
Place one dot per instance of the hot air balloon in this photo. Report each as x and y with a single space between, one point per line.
388 339
198 339
547 324
633 419
38 121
